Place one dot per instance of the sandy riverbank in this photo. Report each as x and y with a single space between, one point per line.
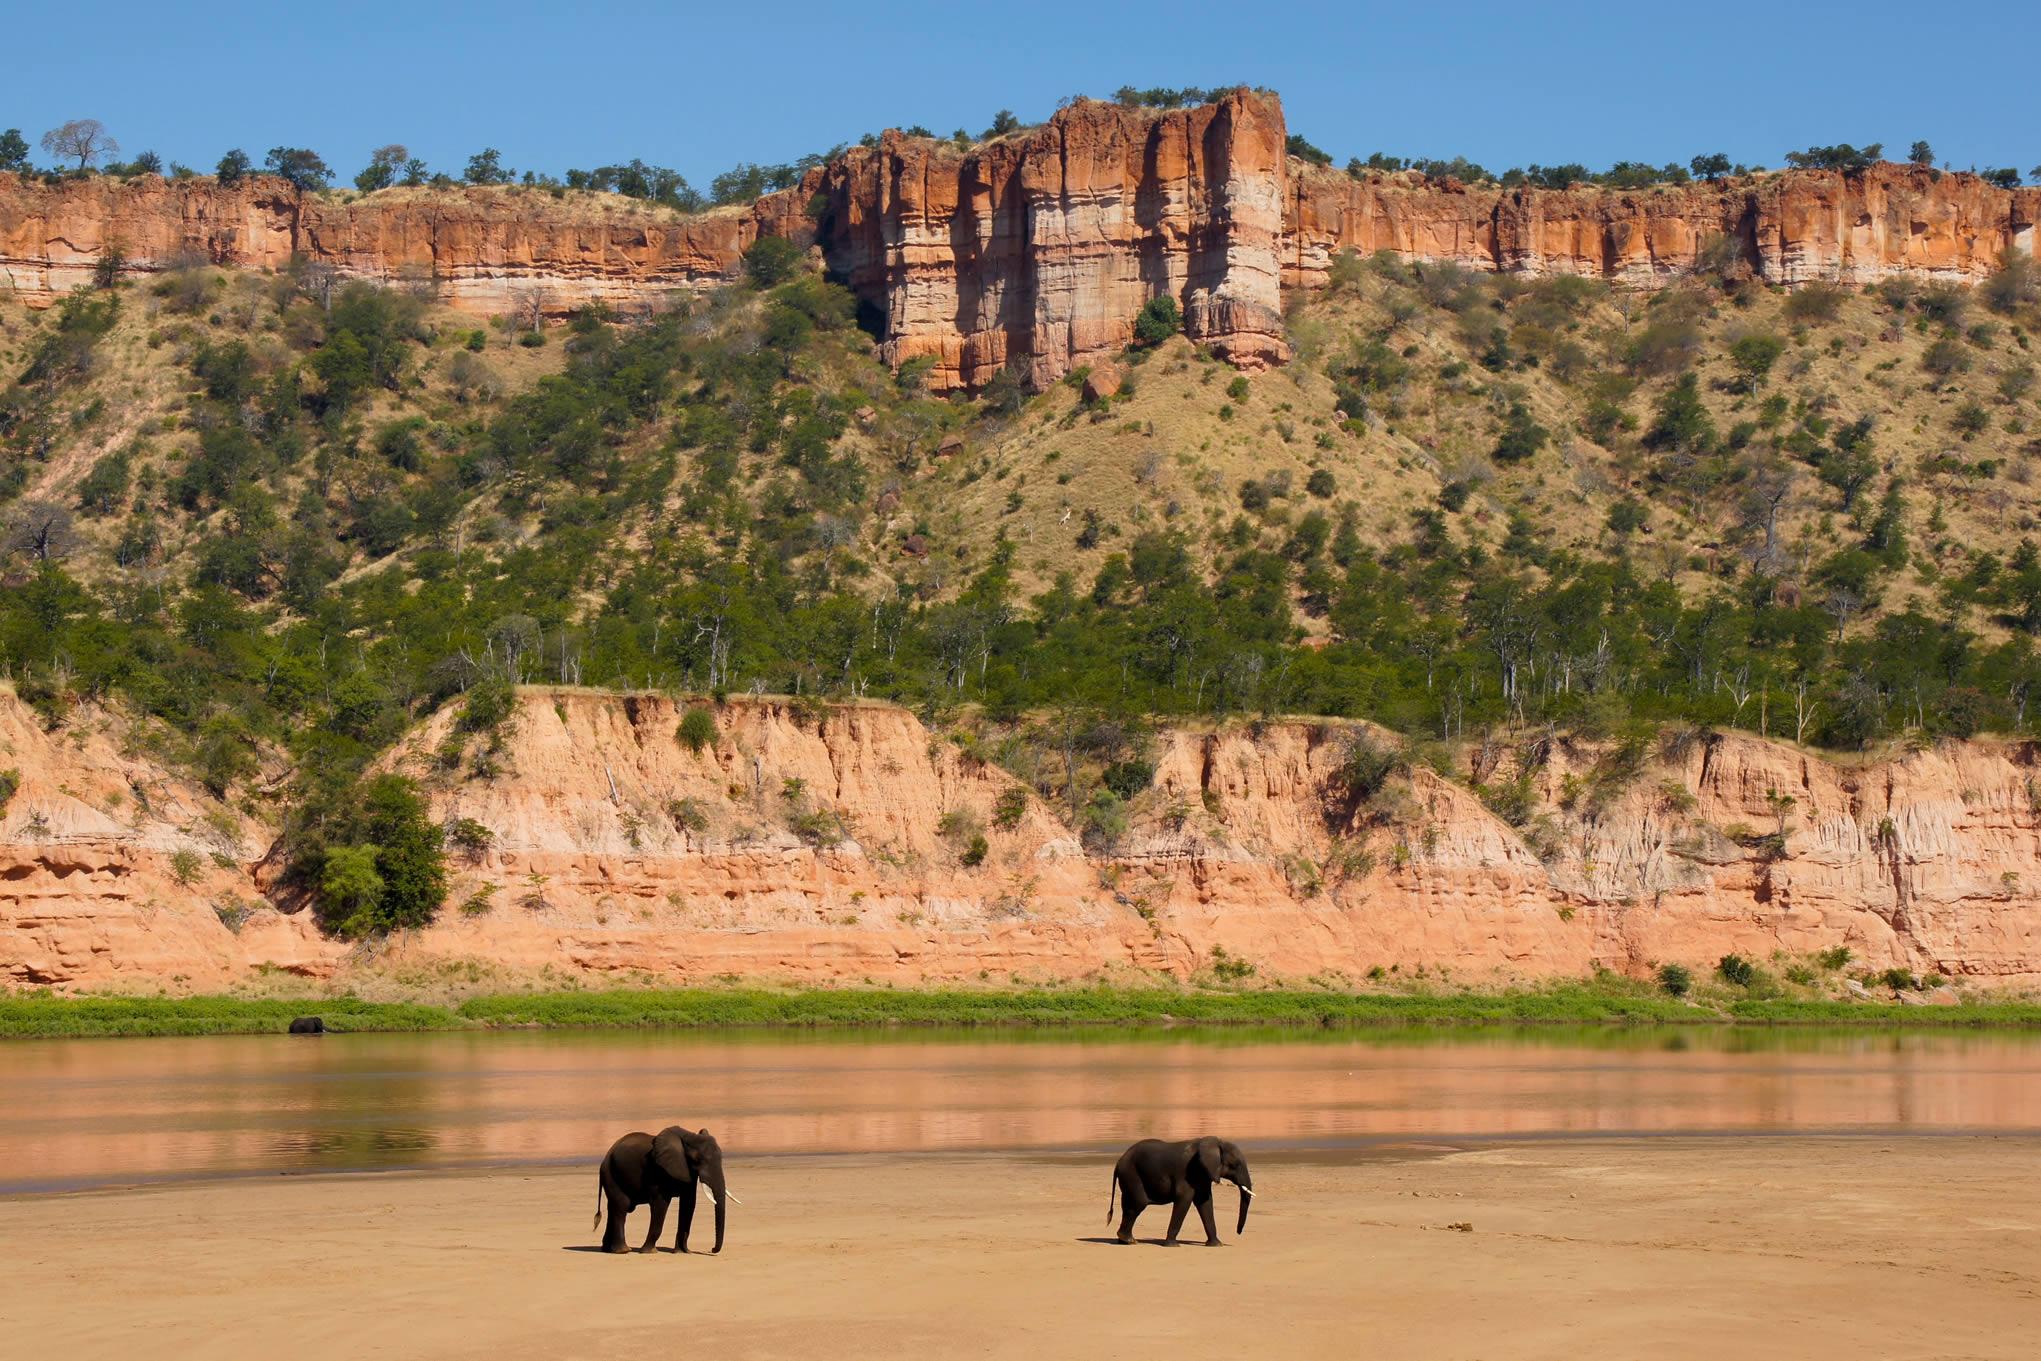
1698 1248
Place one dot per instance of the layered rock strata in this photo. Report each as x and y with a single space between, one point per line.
836 845
1035 250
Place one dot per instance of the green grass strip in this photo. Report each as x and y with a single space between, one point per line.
30 1015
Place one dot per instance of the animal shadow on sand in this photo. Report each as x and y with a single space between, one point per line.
1148 1242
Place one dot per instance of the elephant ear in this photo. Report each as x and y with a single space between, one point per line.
670 1151
1208 1157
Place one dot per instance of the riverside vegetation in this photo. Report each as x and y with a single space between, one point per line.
283 517
1603 1001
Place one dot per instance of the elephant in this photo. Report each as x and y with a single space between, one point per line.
645 1169
308 1025
1179 1174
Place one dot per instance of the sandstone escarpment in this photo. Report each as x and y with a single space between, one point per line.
1034 250
1042 246
836 843
1788 228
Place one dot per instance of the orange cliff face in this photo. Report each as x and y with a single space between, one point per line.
616 853
1044 245
1789 228
478 249
1037 249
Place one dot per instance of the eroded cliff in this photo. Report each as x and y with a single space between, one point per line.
836 844
1036 249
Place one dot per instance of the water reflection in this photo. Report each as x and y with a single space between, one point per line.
78 1112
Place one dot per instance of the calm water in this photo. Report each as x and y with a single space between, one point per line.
83 1112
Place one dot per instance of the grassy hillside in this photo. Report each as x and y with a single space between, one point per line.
283 517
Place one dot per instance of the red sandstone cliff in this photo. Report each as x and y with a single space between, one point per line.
616 852
1037 248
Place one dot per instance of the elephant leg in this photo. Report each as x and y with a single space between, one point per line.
686 1216
1130 1210
1176 1218
1204 1204
613 1227
658 1223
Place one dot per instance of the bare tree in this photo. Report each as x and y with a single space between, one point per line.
528 308
42 530
85 138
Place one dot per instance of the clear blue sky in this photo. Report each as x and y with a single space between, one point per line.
701 87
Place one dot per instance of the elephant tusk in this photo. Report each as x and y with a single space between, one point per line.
710 1194
1244 1190
733 1199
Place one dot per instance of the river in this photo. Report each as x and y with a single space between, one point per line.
76 1113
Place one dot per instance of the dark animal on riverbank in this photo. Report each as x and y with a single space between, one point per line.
1179 1175
308 1025
643 1169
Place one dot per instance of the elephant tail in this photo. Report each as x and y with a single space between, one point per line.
1111 1193
600 1192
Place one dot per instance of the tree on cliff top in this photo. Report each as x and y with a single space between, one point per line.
233 168
486 167
13 151
384 164
299 168
1712 166
1842 156
85 138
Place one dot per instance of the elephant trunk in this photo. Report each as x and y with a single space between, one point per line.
714 1177
1246 1194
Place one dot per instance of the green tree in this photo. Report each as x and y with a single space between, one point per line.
13 151
1920 153
385 163
486 167
302 170
233 168
1158 320
697 729
1521 436
351 890
1753 356
771 260
1712 166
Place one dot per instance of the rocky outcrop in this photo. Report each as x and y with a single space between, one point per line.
1035 250
1041 247
1787 228
838 844
481 249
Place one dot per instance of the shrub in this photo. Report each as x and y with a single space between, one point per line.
1321 483
1816 303
1676 979
1009 808
186 865
1899 980
697 730
1159 319
469 836
1365 768
1521 436
10 781
1833 958
687 815
975 852
771 260
1128 778
1737 970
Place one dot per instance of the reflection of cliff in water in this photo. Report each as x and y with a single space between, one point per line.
92 1111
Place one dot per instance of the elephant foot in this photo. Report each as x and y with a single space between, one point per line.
615 1247
1125 1240
1214 1243
649 1247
